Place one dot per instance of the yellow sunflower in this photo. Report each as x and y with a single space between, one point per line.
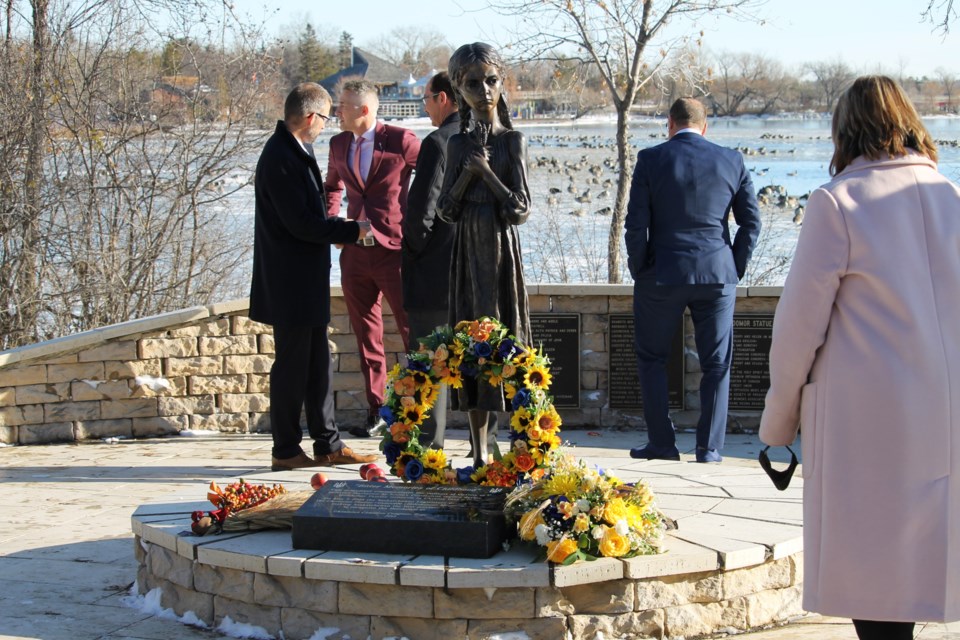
435 459
549 419
453 378
509 390
520 419
413 415
537 377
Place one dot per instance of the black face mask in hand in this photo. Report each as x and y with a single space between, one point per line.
781 479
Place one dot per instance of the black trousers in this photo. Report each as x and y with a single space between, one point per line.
877 630
300 378
422 322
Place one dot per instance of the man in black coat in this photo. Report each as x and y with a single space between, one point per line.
428 240
291 282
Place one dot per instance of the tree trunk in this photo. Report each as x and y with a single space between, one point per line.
625 161
27 279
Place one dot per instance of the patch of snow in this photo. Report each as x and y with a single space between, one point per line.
243 630
93 384
594 396
489 591
153 383
323 633
509 635
150 605
198 433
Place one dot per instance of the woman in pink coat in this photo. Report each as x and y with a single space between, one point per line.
866 356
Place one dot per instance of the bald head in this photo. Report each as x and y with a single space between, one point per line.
687 113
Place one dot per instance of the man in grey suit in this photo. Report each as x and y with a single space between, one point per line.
680 256
428 240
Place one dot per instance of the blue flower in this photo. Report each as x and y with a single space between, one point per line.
506 348
463 475
483 349
413 470
392 451
387 415
521 399
418 365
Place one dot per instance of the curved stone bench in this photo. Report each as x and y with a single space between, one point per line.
734 563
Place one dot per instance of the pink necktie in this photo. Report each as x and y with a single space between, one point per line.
356 163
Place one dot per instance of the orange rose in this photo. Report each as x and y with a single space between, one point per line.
523 462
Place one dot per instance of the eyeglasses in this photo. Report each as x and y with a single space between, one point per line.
325 119
427 97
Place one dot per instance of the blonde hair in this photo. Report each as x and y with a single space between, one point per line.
875 117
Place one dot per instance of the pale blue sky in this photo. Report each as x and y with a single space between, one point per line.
870 35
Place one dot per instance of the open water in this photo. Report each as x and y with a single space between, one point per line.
573 183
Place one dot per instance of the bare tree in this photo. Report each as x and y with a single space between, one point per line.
116 177
940 13
948 84
746 82
613 37
830 78
416 49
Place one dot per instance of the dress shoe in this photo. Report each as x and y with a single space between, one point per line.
373 428
650 452
708 455
299 461
345 455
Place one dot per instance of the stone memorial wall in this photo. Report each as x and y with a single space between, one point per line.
207 368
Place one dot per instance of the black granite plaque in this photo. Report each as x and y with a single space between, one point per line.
559 335
750 371
623 383
416 519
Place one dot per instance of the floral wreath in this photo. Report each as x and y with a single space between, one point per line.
485 350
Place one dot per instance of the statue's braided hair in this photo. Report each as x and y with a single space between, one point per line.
477 53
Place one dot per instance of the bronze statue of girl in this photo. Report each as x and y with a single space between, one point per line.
485 194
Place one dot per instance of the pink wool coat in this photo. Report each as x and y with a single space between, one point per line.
866 357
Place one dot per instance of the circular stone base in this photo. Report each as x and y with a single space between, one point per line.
734 563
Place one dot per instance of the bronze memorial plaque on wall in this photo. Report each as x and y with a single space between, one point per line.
623 383
750 372
559 335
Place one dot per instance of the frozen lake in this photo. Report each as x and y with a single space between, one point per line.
565 239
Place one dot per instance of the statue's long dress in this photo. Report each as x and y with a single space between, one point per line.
486 277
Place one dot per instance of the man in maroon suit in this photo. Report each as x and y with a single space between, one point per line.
374 162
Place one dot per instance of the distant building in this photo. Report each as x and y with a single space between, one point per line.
400 92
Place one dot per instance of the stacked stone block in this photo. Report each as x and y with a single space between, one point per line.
208 368
689 605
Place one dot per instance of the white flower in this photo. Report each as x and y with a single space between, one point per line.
583 505
598 531
542 533
622 527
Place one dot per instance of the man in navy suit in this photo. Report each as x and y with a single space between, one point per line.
680 256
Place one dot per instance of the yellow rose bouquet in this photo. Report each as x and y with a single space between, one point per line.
578 513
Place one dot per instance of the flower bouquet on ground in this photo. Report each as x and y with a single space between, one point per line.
486 351
578 513
242 506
